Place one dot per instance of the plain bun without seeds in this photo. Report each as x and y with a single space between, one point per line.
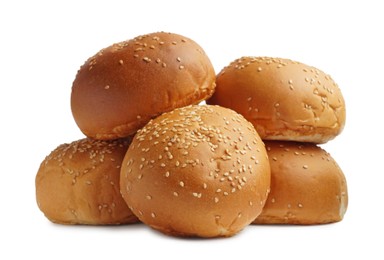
307 186
196 171
119 89
78 183
284 99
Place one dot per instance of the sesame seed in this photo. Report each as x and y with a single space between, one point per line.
300 205
106 87
259 69
164 65
181 67
178 59
162 165
174 43
216 199
153 215
146 59
175 194
305 166
148 197
197 195
181 184
121 62
167 174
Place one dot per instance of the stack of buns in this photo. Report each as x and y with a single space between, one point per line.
154 152
293 107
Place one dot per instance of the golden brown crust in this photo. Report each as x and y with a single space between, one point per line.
284 99
307 186
196 171
78 183
123 86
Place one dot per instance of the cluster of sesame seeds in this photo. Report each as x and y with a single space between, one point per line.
108 207
300 80
177 135
144 47
96 153
256 62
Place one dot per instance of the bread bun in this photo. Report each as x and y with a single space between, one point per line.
307 186
78 183
196 171
118 90
284 99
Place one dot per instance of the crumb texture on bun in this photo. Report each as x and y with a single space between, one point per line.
196 171
284 99
119 89
307 186
78 183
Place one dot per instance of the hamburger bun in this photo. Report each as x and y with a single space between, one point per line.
196 171
284 99
307 186
78 183
119 89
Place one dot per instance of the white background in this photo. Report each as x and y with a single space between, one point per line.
43 43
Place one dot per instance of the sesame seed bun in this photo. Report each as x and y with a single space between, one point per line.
307 186
118 90
196 171
284 99
78 183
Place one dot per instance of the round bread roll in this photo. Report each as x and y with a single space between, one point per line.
78 183
284 99
118 90
307 186
196 171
